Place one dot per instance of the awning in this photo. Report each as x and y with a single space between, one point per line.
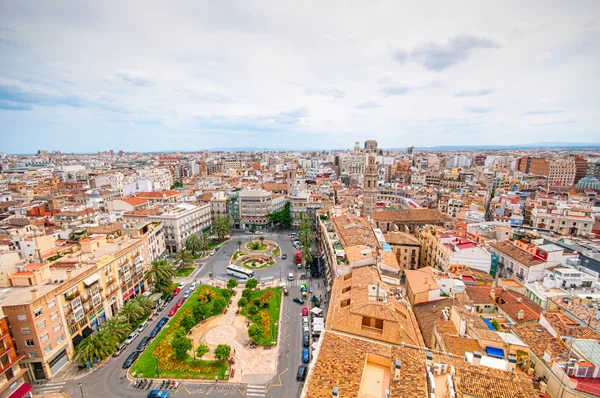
494 352
488 324
89 281
22 391
317 311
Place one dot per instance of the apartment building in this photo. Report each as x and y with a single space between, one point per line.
255 207
114 181
564 218
442 249
307 203
180 220
406 248
561 172
12 383
51 307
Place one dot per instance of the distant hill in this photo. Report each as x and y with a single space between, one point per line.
536 145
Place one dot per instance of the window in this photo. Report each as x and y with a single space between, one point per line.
37 312
57 327
33 355
345 303
54 316
45 337
60 339
41 325
48 349
51 303
25 331
29 343
346 289
22 318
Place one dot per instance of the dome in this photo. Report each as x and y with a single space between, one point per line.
588 182
95 193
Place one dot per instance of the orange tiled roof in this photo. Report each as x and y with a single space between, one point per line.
133 201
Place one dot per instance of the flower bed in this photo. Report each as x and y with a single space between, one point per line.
254 263
268 317
257 246
277 252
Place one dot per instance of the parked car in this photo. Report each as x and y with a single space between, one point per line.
143 326
304 311
291 276
193 285
158 394
258 232
305 357
162 322
119 350
181 285
173 311
168 299
305 321
299 300
155 332
131 337
131 359
176 291
212 253
283 256
248 232
187 293
305 339
180 302
286 291
143 343
301 375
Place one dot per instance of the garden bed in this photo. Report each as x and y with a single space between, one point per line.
169 366
277 252
256 246
268 317
237 255
185 271
257 263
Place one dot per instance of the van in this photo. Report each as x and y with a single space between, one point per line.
291 276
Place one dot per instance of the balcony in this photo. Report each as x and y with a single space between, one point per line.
72 296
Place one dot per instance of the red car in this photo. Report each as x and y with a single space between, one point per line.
173 311
180 302
304 311
176 292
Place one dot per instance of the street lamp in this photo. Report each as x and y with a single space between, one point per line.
81 388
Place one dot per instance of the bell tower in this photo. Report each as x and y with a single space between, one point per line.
371 178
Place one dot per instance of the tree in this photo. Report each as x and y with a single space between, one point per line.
239 245
252 310
232 283
206 294
222 352
131 311
262 239
200 311
282 217
117 327
247 293
183 259
144 302
180 343
221 226
219 304
243 302
160 275
201 350
98 345
256 331
193 244
307 255
187 322
251 283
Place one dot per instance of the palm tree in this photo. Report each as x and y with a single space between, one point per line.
239 245
262 239
183 259
117 327
145 303
307 255
193 243
160 275
131 311
221 226
98 345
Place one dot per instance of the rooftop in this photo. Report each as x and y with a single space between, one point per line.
517 254
354 231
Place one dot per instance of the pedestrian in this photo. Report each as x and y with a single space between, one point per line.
216 379
234 351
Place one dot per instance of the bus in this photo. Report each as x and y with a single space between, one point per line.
240 272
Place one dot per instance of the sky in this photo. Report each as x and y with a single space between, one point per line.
86 76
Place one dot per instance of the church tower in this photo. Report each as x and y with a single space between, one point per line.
370 180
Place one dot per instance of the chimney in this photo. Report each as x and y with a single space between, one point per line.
547 356
492 293
519 300
476 358
511 364
34 294
520 315
397 369
335 392
69 274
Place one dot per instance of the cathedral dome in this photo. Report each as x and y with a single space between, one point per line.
588 182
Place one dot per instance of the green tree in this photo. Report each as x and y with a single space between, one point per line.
131 311
98 345
251 283
222 352
239 245
183 259
117 327
221 226
201 350
243 302
144 302
187 322
252 310
307 255
219 304
160 275
282 217
247 293
180 343
193 244
262 239
200 311
256 331
232 283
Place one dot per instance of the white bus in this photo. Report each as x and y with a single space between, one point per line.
240 272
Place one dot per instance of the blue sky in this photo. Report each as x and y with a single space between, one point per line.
153 76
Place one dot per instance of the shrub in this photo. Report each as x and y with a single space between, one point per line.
222 352
232 283
201 350
256 331
243 302
264 319
227 294
205 295
219 304
251 283
266 297
187 322
252 310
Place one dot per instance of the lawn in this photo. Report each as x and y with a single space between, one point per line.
170 291
212 245
273 311
261 246
169 366
276 252
238 254
185 271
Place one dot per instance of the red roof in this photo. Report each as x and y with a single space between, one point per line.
168 193
22 391
135 201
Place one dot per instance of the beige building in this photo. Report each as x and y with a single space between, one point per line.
561 172
406 247
255 207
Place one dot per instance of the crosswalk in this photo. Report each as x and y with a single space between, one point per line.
49 387
297 282
255 390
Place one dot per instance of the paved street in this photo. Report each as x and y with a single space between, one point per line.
110 380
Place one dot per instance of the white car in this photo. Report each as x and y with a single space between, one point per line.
193 285
305 320
248 232
291 276
181 285
258 233
212 253
143 326
131 337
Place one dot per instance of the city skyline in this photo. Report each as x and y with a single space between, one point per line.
208 75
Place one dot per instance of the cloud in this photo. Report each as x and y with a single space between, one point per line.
550 122
135 78
334 92
291 117
477 109
400 56
17 92
388 85
475 93
208 97
367 105
437 57
544 56
14 106
543 111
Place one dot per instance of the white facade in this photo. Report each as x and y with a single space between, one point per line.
563 218
182 220
139 186
115 181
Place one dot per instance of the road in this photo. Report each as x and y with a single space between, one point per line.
110 380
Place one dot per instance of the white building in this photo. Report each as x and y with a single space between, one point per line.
564 218
142 185
115 181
